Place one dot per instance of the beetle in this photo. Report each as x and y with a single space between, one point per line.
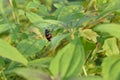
48 35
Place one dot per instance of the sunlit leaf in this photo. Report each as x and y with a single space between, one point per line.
68 11
112 29
110 47
36 31
31 74
89 34
54 22
7 51
92 78
4 27
111 67
69 60
113 6
29 47
86 78
43 10
34 18
32 5
56 40
42 62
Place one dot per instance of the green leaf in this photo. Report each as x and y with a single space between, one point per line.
34 18
89 34
56 40
14 5
31 74
84 21
112 29
42 62
2 63
86 78
88 45
32 5
11 53
113 6
54 22
111 68
68 12
110 47
4 27
50 24
69 60
92 78
32 46
43 10
36 5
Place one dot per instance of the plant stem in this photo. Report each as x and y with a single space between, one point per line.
14 12
84 70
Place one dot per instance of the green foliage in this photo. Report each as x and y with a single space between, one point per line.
31 74
92 78
111 68
112 29
110 46
87 78
72 56
3 28
85 43
33 17
28 48
7 51
56 40
112 6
